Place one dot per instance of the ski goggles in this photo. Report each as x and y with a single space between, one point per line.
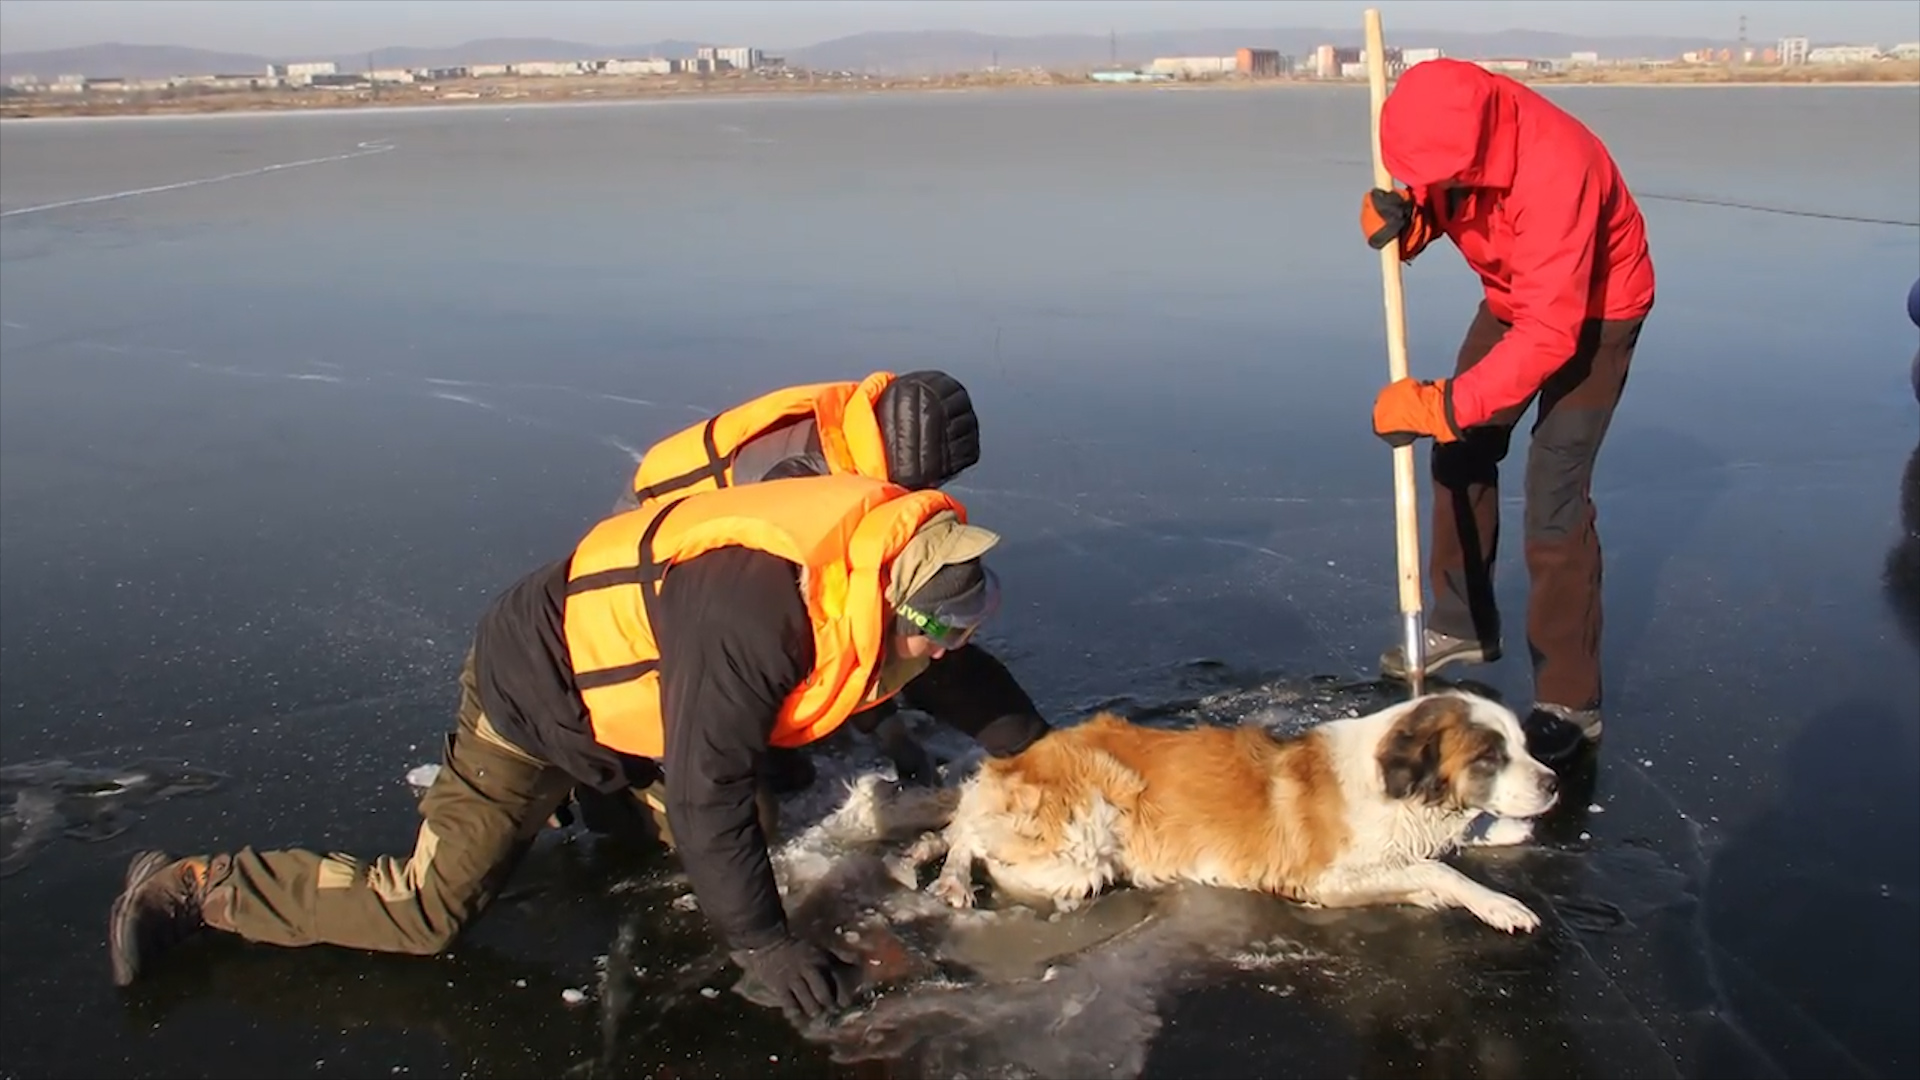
953 622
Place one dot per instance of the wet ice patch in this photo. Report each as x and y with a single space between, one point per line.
44 801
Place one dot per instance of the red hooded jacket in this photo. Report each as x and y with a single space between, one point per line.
1552 231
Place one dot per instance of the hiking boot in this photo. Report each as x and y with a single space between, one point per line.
1441 649
1556 733
160 906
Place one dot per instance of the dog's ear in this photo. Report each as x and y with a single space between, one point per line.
1409 758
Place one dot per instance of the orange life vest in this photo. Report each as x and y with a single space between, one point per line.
844 530
700 458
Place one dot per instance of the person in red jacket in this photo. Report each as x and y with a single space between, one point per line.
1536 205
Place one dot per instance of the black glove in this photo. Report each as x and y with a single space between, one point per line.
1384 215
797 977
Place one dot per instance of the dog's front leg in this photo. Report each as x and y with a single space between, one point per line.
954 883
1431 885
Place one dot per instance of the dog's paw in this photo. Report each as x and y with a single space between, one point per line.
904 871
1503 912
954 891
1503 832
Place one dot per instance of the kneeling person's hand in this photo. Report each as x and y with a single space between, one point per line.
797 977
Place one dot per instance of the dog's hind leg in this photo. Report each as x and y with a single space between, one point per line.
1431 885
905 866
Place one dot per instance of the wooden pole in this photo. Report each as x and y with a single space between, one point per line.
1406 502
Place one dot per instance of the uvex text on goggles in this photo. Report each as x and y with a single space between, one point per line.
952 622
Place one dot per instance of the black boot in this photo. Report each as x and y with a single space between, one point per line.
162 904
1556 734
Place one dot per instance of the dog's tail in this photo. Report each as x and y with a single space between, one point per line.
878 809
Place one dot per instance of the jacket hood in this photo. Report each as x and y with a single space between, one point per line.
1450 120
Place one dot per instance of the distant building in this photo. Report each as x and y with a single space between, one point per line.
1793 50
1514 65
302 73
390 75
1187 67
1330 62
1906 50
740 57
652 66
1844 54
544 68
1583 59
488 71
1258 63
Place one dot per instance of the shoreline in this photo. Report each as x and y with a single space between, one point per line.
549 92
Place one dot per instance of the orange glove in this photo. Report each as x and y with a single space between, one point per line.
1387 214
1409 408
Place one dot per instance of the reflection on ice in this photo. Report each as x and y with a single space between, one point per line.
41 801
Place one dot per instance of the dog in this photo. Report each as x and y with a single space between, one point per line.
1353 812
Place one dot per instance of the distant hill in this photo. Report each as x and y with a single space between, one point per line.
129 61
903 52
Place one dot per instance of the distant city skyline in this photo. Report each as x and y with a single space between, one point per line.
292 27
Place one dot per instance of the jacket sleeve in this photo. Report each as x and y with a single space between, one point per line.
735 641
1555 233
970 690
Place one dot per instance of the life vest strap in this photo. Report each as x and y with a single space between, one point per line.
646 574
613 676
715 469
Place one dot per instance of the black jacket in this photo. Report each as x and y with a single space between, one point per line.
735 640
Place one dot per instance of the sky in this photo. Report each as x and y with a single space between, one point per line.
285 27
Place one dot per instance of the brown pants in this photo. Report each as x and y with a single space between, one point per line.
1562 541
479 818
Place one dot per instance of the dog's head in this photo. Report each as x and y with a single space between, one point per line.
1464 752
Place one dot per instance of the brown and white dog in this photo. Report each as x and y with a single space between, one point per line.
1352 812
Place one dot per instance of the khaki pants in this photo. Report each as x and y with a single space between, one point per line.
479 818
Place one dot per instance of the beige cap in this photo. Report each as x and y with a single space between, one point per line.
941 542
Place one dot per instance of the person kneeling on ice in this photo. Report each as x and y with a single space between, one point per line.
692 634
1536 205
917 430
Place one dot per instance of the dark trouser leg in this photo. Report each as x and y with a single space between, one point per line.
1562 541
480 816
1466 507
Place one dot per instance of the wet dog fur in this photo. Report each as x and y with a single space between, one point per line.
1353 812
